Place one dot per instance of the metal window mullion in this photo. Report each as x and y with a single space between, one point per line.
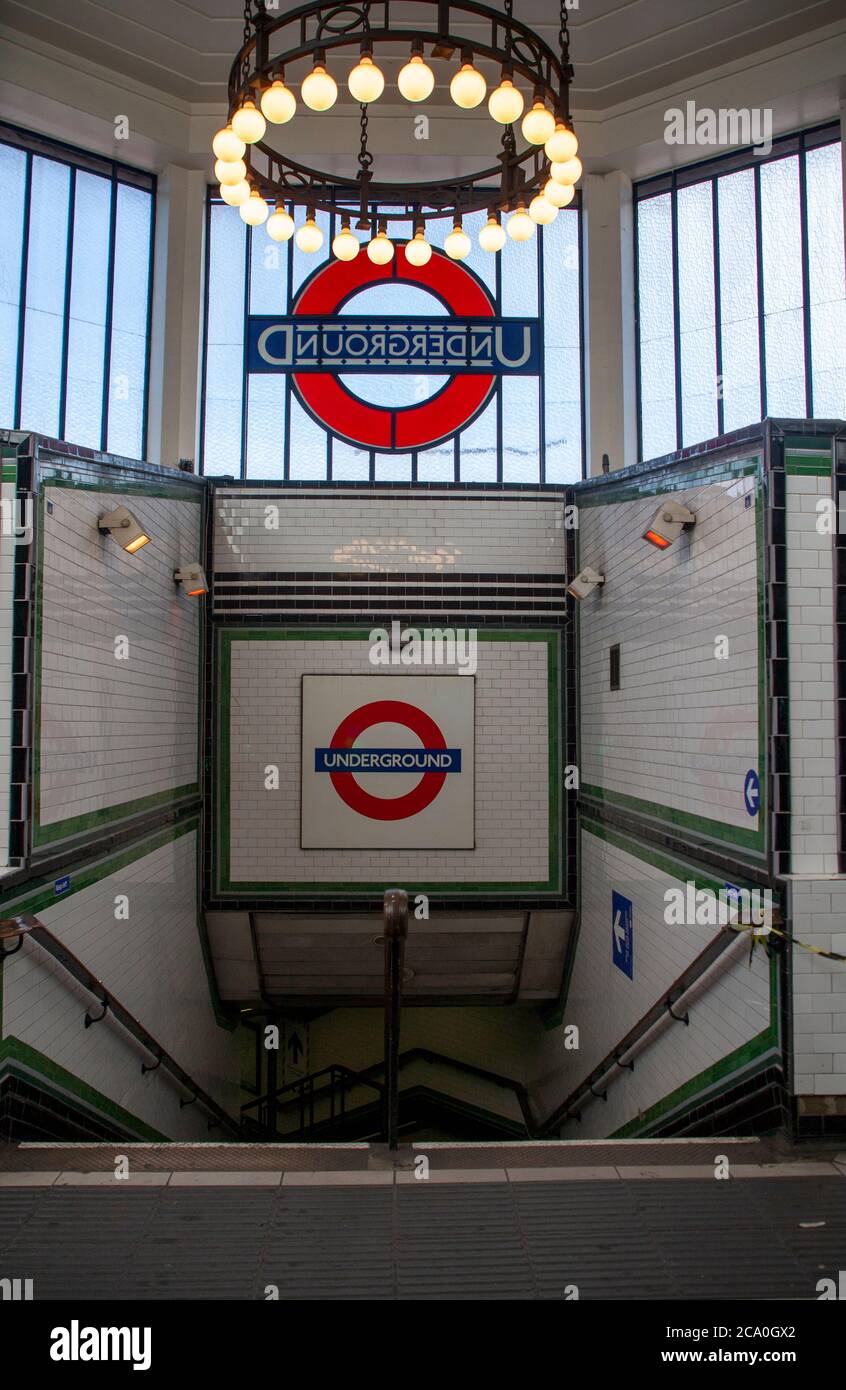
582 364
151 266
205 343
639 390
245 382
759 275
22 298
289 393
542 377
806 281
63 382
718 316
110 301
674 239
498 383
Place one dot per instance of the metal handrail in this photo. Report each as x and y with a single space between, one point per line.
31 928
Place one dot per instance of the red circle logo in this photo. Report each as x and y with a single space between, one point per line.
383 807
380 427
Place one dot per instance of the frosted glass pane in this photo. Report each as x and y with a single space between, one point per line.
437 465
268 273
393 468
697 314
741 383
349 464
225 342
782 264
519 269
308 445
562 380
45 296
520 430
478 447
87 326
656 299
266 426
13 181
825 255
306 263
129 321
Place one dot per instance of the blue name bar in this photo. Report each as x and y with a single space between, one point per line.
387 759
500 347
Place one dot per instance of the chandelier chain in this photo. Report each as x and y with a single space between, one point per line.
564 39
365 158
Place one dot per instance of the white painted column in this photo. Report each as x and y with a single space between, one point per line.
610 376
177 316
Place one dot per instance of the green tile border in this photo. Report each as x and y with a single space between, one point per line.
294 889
762 1048
19 1059
76 825
739 837
41 895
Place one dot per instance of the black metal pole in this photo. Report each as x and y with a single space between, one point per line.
395 916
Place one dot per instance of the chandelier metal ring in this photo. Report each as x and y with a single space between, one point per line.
275 41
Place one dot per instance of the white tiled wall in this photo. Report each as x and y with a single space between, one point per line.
384 532
7 581
114 731
729 1007
682 732
810 635
819 987
512 757
153 963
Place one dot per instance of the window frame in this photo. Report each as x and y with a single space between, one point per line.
116 172
213 199
709 171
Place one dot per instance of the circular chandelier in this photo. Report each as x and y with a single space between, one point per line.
526 186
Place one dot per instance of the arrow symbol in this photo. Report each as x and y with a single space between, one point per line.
295 1047
619 932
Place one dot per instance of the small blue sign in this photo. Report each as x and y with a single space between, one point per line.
752 792
61 885
622 934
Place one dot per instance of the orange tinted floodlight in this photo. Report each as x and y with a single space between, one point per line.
193 580
126 529
668 523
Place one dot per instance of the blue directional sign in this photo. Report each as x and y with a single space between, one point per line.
752 792
61 885
622 934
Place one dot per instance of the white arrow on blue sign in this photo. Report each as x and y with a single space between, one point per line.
622 934
752 792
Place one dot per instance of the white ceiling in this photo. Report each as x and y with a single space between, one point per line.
621 49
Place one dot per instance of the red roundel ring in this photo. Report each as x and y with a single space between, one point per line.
379 427
381 807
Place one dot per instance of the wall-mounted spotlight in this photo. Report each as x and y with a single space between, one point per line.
584 583
192 579
668 523
126 529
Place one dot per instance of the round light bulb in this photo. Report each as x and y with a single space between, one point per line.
468 87
230 171
520 225
227 145
541 210
418 251
457 244
309 237
506 103
366 82
562 144
278 103
570 171
559 194
416 80
538 124
380 249
254 211
319 90
249 123
345 245
492 235
280 225
235 193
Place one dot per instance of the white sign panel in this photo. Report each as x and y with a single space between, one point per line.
387 762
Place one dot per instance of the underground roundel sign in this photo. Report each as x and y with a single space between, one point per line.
387 762
323 348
